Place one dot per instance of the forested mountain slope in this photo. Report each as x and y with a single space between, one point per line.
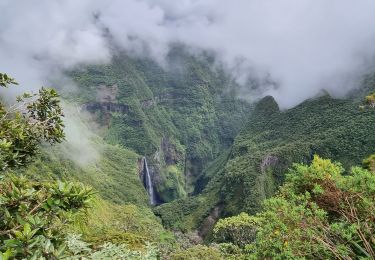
266 147
180 117
120 212
210 154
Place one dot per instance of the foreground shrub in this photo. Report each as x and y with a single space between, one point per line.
34 215
78 249
318 214
198 252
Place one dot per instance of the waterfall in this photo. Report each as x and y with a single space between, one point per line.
148 182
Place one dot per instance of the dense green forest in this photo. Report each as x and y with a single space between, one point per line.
231 179
180 117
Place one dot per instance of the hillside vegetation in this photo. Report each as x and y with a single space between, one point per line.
225 171
267 146
181 117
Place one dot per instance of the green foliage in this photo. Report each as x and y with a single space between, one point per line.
121 213
268 145
130 224
171 185
45 114
33 215
174 213
78 249
36 215
239 230
369 163
114 174
320 213
33 119
198 252
188 213
5 80
189 103
266 107
232 252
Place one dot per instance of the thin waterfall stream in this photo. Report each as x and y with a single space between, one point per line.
148 182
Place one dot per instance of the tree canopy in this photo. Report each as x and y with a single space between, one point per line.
33 119
36 217
319 213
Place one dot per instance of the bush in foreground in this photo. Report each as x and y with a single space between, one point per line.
319 213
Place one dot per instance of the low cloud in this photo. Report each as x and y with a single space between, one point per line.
300 46
81 144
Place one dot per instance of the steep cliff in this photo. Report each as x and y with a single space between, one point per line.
180 116
266 147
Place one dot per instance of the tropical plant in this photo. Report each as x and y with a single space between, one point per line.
34 215
239 230
78 249
319 213
23 126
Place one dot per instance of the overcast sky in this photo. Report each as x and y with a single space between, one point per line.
305 45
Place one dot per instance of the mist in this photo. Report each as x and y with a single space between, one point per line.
81 144
303 46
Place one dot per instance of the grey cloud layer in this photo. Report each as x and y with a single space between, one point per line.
305 45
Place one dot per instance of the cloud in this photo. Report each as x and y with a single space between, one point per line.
38 38
82 146
301 45
305 45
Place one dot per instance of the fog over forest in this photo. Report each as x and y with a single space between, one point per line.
302 45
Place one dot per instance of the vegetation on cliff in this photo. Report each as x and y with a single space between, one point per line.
319 213
37 218
214 159
267 146
181 117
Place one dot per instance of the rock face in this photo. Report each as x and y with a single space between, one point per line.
167 166
106 107
208 224
106 93
147 103
171 155
268 161
106 103
166 174
164 98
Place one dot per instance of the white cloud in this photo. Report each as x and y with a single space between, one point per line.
305 45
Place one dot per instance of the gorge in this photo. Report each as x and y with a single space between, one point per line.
179 130
176 168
